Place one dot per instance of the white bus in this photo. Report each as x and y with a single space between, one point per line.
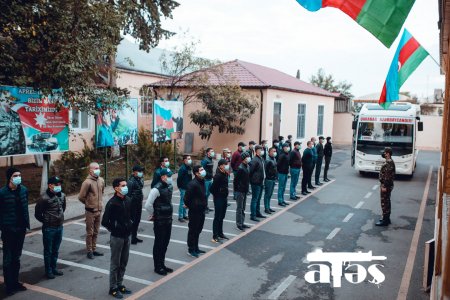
375 128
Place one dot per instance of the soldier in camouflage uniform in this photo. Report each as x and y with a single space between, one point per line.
387 174
12 138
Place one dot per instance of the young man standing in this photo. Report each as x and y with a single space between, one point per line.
251 149
271 176
327 152
14 221
195 201
314 153
219 189
283 170
236 161
184 177
295 164
307 165
159 206
117 219
257 176
91 195
50 212
208 165
386 177
135 185
163 164
320 153
241 186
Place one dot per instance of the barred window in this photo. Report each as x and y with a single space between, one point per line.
146 105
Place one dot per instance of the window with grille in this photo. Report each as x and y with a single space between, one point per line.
146 105
320 110
301 121
80 120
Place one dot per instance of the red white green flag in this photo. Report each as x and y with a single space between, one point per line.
407 58
383 18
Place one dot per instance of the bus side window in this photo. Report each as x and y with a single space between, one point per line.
420 126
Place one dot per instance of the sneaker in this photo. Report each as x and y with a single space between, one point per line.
215 240
192 254
50 276
57 272
168 270
181 220
90 255
97 253
124 290
200 251
115 293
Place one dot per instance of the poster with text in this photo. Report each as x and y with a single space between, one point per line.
118 127
168 118
31 123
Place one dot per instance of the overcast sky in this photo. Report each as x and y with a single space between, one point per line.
283 35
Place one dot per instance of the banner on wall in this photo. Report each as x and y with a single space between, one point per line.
31 123
168 118
118 127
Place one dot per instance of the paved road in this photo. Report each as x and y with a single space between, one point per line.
267 262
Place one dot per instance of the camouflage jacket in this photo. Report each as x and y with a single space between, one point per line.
387 174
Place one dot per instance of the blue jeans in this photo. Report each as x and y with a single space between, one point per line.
282 179
234 193
256 200
269 185
295 174
51 238
181 210
207 187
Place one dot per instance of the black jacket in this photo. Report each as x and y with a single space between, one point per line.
307 159
219 187
283 163
50 209
328 150
295 159
271 168
162 207
135 186
117 216
257 170
195 196
14 208
320 151
242 179
208 165
184 176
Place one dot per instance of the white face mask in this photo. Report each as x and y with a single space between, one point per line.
277 144
227 168
274 154
189 162
124 190
169 180
212 154
202 173
243 148
228 155
262 152
97 172
140 174
248 159
167 164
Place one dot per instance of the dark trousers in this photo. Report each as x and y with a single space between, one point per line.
120 251
51 238
386 201
196 221
256 200
220 209
162 230
306 179
327 166
136 214
318 168
12 250
310 174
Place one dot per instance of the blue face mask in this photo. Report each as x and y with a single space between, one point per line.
124 190
17 180
167 164
202 173
169 180
140 174
57 189
97 172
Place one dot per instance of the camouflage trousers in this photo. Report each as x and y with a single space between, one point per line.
386 201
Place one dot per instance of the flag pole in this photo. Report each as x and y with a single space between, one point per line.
438 64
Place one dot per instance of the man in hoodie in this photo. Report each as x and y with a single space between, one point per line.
117 219
49 211
135 185
91 195
14 221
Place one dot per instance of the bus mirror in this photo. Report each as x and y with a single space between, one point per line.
420 126
354 125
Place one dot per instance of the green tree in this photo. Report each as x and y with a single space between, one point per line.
72 44
327 82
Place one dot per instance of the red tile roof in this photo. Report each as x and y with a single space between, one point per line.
249 75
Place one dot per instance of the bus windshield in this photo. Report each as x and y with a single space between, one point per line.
374 136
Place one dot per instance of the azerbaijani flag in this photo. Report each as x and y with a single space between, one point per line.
407 58
383 18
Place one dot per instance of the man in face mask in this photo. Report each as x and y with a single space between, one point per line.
295 163
283 170
320 153
219 189
271 176
14 220
183 179
257 176
327 152
251 149
307 166
208 165
276 145
159 206
314 153
265 149
241 186
195 200
163 164
236 160
91 195
135 185
386 177
50 212
117 219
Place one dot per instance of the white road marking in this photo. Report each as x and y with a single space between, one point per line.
361 203
375 187
174 241
186 227
87 267
348 217
282 287
367 196
333 233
